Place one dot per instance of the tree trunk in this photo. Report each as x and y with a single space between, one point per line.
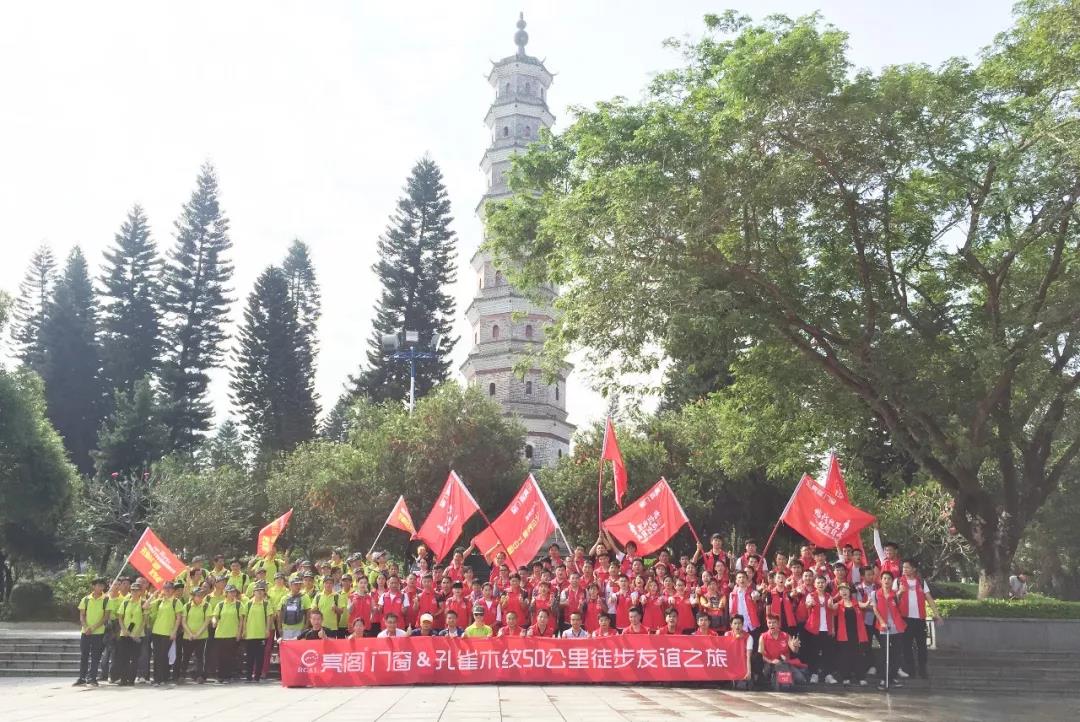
993 585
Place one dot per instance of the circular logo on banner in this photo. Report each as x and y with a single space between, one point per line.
309 658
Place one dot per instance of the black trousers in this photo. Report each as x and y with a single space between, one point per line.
108 656
162 669
850 660
90 648
192 650
127 657
892 643
817 652
254 649
914 646
225 652
142 664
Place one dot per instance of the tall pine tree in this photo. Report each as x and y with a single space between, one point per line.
71 365
130 323
416 268
133 437
307 305
270 385
31 307
195 302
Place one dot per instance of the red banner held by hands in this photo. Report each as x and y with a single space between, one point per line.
650 521
400 518
523 526
269 534
821 517
155 561
447 518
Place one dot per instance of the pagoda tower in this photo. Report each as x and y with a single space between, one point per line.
506 325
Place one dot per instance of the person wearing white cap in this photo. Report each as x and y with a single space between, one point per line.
425 629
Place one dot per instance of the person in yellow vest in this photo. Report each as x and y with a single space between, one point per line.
196 626
166 613
257 630
129 639
332 605
237 576
226 622
93 617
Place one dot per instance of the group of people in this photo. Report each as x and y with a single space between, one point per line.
805 615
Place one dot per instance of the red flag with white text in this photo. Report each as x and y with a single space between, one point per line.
650 521
821 517
447 517
155 561
400 518
835 485
269 534
610 452
521 529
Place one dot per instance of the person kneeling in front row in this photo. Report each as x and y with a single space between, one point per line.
774 646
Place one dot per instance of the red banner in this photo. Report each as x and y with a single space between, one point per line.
270 533
155 561
447 518
610 451
523 527
650 521
821 517
835 485
455 660
400 518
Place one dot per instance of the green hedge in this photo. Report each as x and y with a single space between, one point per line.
954 590
1030 608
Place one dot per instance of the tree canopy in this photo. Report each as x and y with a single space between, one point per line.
899 245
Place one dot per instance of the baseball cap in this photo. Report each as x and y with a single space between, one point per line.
426 618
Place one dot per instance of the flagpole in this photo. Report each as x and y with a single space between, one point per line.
385 523
600 497
787 506
128 556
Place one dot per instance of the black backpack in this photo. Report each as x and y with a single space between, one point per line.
293 613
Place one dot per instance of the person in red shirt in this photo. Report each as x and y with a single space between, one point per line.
604 628
739 633
544 627
817 635
511 628
542 599
713 604
577 562
458 602
683 602
780 564
456 569
393 601
806 556
513 600
492 608
704 627
914 600
850 636
497 565
716 553
671 623
635 626
774 646
652 606
621 601
360 605
428 602
571 600
561 580
593 608
778 602
888 555
795 571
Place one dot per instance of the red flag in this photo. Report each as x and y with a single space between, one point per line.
610 451
650 521
523 527
155 561
821 517
835 485
270 533
447 517
400 518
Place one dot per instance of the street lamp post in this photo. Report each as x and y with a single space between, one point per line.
405 346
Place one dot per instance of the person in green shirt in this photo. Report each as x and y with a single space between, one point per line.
309 589
93 617
257 629
236 576
270 562
293 611
196 626
119 591
332 604
478 628
217 594
278 591
226 621
129 640
166 612
260 576
218 569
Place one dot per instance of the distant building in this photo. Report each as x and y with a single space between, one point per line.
506 325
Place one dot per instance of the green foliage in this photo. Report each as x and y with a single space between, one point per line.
226 448
71 366
919 517
1029 608
203 511
35 476
893 250
32 307
31 601
110 513
68 589
130 316
953 590
342 492
272 382
1050 552
134 436
416 268
195 307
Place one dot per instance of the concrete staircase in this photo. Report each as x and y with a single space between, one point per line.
1022 672
47 656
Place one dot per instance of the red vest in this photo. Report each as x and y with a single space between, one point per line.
902 597
505 632
751 606
592 615
393 604
611 632
841 624
885 601
534 630
775 648
652 610
779 604
516 603
428 603
890 565
462 606
492 615
622 609
665 630
575 598
813 614
360 608
709 559
686 612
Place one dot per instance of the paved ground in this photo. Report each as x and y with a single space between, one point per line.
53 699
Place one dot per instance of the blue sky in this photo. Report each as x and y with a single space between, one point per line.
314 112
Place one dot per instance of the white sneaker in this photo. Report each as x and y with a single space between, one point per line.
814 678
902 674
829 679
872 671
862 682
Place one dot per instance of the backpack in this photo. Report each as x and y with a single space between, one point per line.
293 613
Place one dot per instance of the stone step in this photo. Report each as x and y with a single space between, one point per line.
51 672
39 664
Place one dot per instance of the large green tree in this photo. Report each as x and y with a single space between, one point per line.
130 323
32 306
271 381
903 241
71 367
195 305
416 268
133 437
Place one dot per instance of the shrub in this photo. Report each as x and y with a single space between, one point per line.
68 589
31 600
954 590
1031 608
